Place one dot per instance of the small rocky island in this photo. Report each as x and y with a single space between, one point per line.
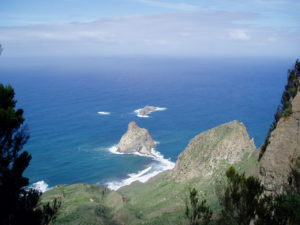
144 112
136 140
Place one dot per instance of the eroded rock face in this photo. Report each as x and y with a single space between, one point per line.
136 139
275 166
207 152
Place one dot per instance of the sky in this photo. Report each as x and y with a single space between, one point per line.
150 27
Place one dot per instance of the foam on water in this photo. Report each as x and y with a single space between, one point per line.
103 113
161 164
41 186
113 149
137 112
161 109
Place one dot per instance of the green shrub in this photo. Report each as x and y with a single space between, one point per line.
240 198
197 212
287 111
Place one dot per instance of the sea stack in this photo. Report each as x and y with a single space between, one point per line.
136 140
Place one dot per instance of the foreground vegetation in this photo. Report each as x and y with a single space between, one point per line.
159 201
244 200
18 204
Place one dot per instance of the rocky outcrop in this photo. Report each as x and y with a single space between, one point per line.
144 112
207 152
276 164
147 110
136 139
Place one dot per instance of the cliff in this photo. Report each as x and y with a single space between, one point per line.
280 156
281 150
136 139
225 144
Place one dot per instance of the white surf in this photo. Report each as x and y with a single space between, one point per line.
104 113
41 186
159 165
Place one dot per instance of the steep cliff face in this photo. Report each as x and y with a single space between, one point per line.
136 139
225 144
280 156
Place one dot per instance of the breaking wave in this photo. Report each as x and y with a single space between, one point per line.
104 113
41 186
114 149
159 165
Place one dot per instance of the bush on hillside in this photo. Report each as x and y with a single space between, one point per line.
197 212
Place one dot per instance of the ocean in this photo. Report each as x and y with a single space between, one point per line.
71 142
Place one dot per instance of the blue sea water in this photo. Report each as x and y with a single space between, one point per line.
69 140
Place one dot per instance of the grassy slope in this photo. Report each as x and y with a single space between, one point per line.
85 204
162 201
159 201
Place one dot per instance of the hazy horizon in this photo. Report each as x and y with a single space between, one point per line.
219 28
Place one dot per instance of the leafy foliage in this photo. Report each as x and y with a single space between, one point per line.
197 212
240 198
18 205
281 209
49 211
244 200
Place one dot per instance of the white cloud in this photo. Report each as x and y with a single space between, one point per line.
192 33
179 6
278 2
185 34
240 35
272 39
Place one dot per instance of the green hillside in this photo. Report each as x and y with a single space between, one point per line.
162 199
